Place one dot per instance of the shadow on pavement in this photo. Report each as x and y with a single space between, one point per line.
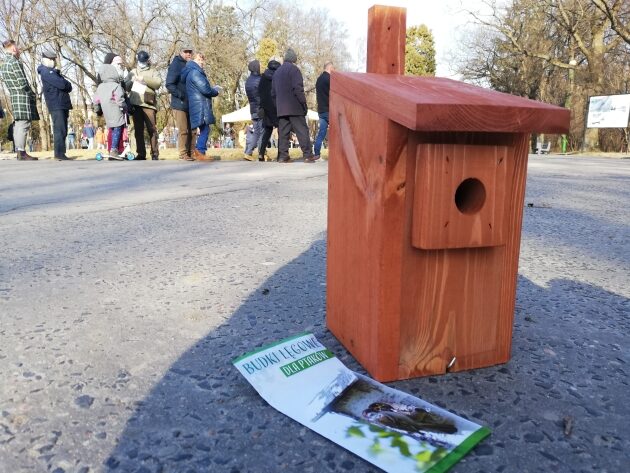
570 361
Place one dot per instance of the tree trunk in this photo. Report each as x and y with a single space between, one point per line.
44 127
595 80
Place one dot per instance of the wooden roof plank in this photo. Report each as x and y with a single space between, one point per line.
440 104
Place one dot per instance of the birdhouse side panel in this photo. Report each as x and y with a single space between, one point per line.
366 185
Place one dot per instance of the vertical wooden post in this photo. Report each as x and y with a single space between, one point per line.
387 30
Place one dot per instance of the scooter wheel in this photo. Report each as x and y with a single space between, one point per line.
99 157
130 156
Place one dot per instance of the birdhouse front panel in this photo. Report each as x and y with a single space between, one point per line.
460 195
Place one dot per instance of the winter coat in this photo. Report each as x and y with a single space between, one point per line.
251 89
322 89
199 93
88 130
175 85
270 114
287 89
111 96
21 93
56 88
151 79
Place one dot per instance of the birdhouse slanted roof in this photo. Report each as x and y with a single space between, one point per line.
440 104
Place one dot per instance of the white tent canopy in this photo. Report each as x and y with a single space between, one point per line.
240 115
243 115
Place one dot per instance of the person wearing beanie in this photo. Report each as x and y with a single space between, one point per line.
251 89
287 89
109 57
179 103
322 89
22 97
56 90
290 56
267 109
142 83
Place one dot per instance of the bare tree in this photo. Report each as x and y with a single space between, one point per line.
561 51
315 36
618 13
229 32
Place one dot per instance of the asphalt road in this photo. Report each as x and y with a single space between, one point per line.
126 289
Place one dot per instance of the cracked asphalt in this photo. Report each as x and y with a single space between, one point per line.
126 289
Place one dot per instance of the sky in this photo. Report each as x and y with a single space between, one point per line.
445 18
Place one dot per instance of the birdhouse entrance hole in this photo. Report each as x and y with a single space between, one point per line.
470 196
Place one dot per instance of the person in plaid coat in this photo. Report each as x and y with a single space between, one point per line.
22 97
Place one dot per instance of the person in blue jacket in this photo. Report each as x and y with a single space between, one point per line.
199 93
57 94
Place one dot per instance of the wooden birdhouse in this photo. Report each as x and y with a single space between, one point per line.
426 191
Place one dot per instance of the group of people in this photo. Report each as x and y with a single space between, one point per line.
191 102
91 137
118 94
168 137
276 98
121 94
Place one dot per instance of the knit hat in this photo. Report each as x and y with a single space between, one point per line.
290 56
143 57
254 66
108 58
49 54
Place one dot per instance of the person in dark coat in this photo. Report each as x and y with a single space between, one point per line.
267 109
199 93
177 88
251 89
287 89
57 94
322 89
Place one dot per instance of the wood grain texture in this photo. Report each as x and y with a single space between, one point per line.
386 40
460 196
439 104
509 269
460 302
400 310
366 197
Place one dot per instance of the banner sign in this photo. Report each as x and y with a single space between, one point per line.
608 111
392 430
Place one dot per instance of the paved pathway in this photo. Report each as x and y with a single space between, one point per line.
126 289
